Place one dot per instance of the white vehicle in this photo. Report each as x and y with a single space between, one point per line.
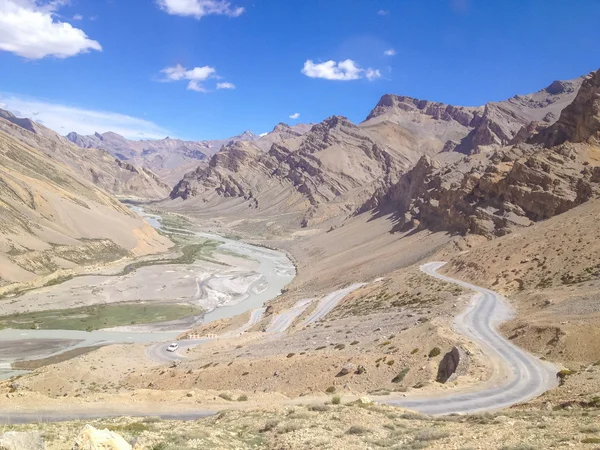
172 347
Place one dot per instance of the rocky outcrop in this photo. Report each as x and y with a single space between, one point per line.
580 121
91 438
453 364
522 177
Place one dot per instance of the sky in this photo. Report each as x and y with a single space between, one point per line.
209 69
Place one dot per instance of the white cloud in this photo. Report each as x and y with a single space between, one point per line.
30 29
372 74
77 17
294 116
343 71
193 85
383 12
200 8
195 76
225 85
389 52
179 72
64 119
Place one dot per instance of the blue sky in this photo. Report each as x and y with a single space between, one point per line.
128 65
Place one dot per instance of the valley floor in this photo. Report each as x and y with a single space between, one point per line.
397 328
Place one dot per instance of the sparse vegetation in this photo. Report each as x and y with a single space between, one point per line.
398 378
91 318
435 351
358 430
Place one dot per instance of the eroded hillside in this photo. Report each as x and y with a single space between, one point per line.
51 218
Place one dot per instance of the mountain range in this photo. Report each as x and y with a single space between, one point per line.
465 169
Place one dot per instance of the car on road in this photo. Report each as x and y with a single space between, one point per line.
172 347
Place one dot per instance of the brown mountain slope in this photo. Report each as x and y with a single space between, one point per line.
97 166
51 218
328 172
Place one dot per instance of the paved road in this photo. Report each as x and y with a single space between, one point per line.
284 319
159 353
327 303
528 376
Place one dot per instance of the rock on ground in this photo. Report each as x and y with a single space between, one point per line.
92 439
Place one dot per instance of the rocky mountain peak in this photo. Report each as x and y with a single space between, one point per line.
437 110
281 127
560 87
579 121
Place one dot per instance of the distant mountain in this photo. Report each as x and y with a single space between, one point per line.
169 158
97 166
280 133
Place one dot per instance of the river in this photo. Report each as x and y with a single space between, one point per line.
276 272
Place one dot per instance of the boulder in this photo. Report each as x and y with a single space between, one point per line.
453 364
91 438
15 440
365 400
346 369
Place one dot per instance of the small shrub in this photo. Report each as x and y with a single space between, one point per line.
435 351
133 428
591 440
431 435
319 408
242 398
416 350
330 389
390 362
356 343
340 347
290 355
270 425
358 430
336 400
398 378
289 427
225 396
321 348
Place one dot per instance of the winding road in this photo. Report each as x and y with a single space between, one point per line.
523 376
526 376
